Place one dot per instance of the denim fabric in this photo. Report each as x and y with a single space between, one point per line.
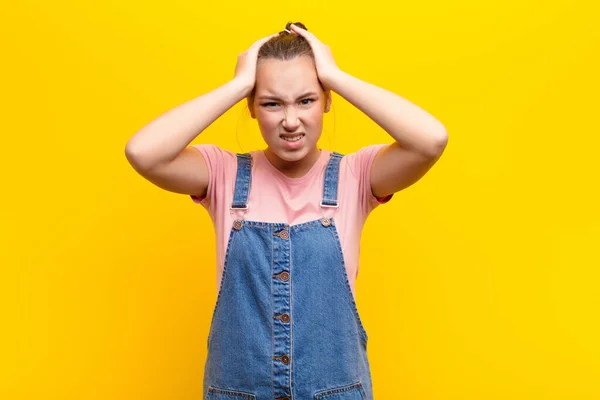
285 324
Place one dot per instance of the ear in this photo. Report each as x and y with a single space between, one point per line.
327 100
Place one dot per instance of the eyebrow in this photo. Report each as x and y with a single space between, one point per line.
277 98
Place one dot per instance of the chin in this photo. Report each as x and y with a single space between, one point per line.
292 156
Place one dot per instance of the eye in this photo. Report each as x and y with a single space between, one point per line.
311 101
268 104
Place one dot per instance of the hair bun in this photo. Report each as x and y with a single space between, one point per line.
300 24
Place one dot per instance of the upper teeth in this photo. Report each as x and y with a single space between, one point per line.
291 138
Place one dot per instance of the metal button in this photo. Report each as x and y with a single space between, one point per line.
325 221
237 224
284 276
283 234
285 317
284 358
283 398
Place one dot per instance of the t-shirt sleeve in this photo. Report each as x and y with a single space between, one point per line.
360 164
219 163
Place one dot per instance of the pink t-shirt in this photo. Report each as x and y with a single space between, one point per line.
274 197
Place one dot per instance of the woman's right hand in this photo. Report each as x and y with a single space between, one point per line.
245 70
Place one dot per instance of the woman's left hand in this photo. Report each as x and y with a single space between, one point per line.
324 62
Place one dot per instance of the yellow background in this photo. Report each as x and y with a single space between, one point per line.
479 282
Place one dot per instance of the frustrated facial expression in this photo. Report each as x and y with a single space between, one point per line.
289 103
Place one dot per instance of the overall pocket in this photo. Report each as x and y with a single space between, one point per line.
215 393
354 391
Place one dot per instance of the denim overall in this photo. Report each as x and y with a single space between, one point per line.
285 324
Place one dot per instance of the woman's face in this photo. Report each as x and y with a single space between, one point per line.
289 104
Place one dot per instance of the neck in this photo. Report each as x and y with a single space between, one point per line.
293 169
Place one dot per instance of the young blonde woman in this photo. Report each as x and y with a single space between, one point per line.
288 218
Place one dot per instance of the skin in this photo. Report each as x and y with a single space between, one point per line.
289 111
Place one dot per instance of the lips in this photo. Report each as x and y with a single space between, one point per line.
291 135
290 144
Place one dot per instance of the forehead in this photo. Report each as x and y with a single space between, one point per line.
286 79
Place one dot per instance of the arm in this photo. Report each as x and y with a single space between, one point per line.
166 136
160 151
419 138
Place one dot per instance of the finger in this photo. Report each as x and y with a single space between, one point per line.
267 38
260 42
303 32
297 30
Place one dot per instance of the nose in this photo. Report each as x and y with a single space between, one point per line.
290 121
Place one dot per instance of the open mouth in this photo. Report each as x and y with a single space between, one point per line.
292 138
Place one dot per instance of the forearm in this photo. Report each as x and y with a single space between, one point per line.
411 126
166 136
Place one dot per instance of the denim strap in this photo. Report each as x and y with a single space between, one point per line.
243 181
330 186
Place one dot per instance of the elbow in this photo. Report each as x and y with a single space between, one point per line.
441 142
136 159
437 143
130 153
